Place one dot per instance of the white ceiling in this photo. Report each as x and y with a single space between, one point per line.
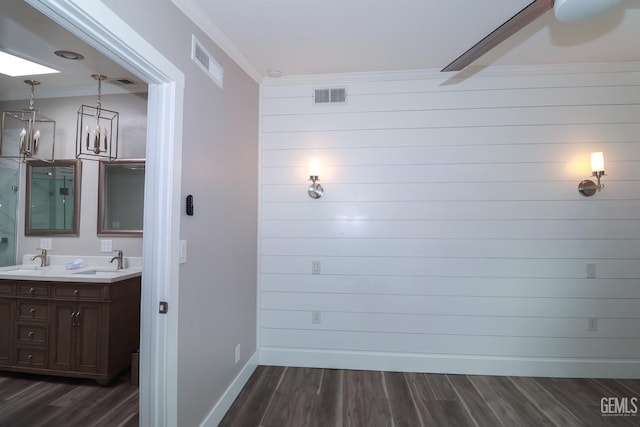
300 37
29 34
335 36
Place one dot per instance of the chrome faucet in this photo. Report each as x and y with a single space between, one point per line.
42 256
119 258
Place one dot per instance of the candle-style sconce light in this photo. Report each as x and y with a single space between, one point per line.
315 189
587 187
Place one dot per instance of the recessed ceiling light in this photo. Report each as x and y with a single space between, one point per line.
274 73
67 54
14 66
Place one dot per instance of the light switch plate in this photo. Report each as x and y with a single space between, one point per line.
106 245
183 251
45 243
591 271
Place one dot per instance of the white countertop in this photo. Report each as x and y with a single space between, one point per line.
94 270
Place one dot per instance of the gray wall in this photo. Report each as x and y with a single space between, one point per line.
132 141
217 308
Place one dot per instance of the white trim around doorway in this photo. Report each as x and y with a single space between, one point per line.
159 336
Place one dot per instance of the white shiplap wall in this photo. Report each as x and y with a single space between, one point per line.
451 236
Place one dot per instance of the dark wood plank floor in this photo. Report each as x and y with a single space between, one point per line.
278 397
35 401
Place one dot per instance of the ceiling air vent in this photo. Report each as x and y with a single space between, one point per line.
330 96
124 81
205 61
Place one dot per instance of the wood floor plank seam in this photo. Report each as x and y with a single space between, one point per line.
266 409
413 400
462 401
386 393
549 397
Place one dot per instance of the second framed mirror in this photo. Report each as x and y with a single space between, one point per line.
121 197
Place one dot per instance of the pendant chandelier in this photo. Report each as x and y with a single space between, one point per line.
97 130
27 134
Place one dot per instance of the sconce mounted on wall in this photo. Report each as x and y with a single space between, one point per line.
315 189
587 187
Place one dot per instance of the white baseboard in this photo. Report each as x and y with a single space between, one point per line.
457 364
230 394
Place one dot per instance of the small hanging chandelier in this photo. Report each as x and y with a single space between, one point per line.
97 130
27 134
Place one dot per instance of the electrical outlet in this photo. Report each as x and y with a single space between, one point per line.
315 267
45 243
591 271
592 324
237 354
316 317
106 245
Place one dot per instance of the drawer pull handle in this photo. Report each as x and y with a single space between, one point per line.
31 333
32 291
32 310
75 292
30 357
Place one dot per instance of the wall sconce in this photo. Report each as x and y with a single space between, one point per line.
315 189
587 187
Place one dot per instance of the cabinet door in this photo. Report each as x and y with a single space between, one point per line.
6 309
88 338
63 320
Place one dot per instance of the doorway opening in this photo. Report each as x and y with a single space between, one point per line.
98 26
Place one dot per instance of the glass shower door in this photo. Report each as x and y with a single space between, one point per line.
9 176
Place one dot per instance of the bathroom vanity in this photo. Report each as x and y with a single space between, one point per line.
84 324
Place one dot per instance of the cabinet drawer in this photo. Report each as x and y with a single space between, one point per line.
32 310
6 288
32 290
32 357
79 291
28 333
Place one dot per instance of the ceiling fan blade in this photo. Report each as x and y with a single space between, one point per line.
517 22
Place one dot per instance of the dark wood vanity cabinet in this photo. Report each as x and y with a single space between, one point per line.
86 330
6 311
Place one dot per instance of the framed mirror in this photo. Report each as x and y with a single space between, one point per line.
121 197
52 204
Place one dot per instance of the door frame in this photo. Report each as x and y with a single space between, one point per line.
159 332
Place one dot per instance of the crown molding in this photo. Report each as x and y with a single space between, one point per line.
477 71
201 18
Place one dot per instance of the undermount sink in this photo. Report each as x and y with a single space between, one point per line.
27 271
100 273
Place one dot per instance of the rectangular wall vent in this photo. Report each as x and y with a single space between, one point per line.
205 61
330 96
125 81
